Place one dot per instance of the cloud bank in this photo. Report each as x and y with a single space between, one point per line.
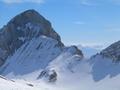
99 2
22 1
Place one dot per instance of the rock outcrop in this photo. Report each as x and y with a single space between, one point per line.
29 44
113 51
22 28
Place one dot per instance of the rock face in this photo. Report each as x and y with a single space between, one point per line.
106 63
29 45
50 75
74 50
113 51
21 29
34 24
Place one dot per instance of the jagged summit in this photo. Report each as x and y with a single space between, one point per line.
113 51
27 16
31 18
106 63
30 14
22 28
29 45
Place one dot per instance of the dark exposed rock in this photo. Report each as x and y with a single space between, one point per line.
29 84
78 51
35 33
23 27
31 18
113 51
50 75
74 50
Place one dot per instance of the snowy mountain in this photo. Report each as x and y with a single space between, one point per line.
106 63
30 45
21 29
33 57
113 51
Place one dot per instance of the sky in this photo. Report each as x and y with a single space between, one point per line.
84 22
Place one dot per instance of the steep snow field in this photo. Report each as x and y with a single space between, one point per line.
73 74
6 84
31 57
80 80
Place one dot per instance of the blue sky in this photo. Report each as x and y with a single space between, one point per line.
87 22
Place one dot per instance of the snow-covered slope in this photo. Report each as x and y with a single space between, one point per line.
106 63
32 55
21 29
6 84
112 52
40 47
104 67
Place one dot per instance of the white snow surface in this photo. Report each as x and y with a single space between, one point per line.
73 72
32 57
80 79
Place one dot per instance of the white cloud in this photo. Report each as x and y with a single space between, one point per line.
98 2
79 23
93 44
117 2
113 29
22 1
89 2
86 2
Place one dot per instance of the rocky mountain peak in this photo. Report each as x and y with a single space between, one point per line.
113 51
22 28
32 22
27 16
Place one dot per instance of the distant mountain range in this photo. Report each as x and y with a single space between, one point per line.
89 51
